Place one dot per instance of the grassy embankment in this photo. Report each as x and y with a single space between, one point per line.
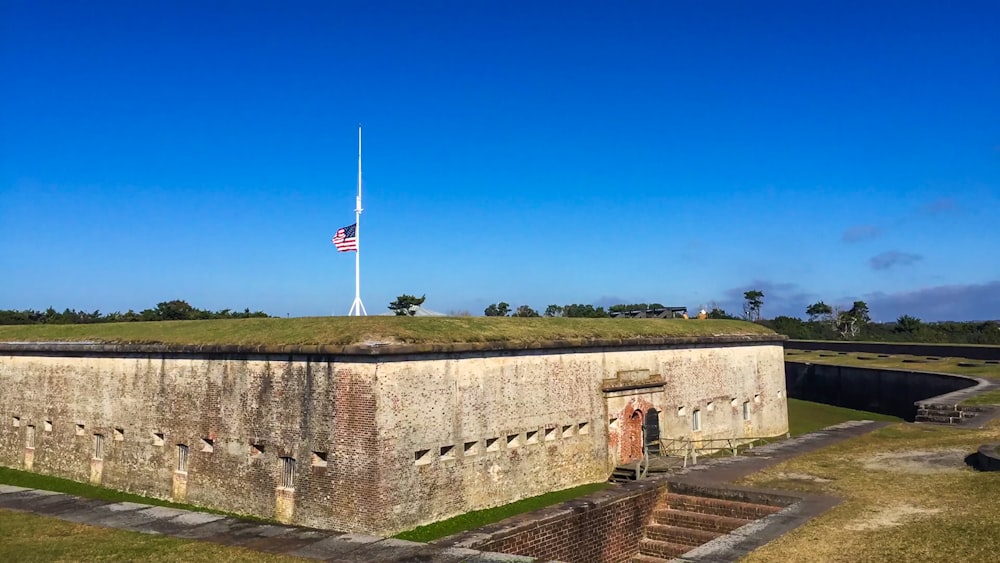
390 330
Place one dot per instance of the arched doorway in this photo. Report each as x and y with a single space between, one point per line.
631 440
651 432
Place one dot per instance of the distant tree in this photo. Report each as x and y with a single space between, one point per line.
819 311
578 310
406 305
718 313
166 310
846 324
907 324
851 322
553 311
525 311
175 310
500 309
860 311
789 326
754 300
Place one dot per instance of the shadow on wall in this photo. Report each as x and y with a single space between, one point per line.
891 392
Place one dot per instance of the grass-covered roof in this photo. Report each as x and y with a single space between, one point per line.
347 331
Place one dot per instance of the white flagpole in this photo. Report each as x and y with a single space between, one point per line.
358 308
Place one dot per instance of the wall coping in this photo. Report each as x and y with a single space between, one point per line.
375 349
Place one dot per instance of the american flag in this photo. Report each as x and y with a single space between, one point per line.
346 238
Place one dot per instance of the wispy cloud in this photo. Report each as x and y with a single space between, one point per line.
939 206
892 259
966 302
859 233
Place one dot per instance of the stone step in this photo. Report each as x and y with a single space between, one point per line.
938 419
718 507
697 520
940 413
676 534
649 559
621 474
950 410
661 548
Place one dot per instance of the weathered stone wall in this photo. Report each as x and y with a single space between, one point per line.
379 442
238 416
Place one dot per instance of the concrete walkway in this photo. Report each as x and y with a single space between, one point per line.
309 543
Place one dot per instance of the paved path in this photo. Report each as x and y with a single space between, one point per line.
296 541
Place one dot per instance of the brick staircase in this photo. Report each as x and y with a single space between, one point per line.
683 522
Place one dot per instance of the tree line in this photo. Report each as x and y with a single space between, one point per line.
822 322
832 322
176 310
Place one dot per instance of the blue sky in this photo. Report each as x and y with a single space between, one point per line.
530 152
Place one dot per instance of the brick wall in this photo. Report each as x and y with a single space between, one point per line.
602 528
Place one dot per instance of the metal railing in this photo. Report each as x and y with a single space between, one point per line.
690 449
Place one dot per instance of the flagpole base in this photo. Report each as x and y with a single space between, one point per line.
357 309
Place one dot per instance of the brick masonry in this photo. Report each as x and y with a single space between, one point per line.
604 527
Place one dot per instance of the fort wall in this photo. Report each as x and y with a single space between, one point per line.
377 440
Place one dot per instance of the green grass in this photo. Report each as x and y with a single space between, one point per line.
20 478
478 518
805 416
389 330
29 538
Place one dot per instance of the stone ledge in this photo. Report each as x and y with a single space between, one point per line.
377 349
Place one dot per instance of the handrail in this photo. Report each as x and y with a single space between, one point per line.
689 448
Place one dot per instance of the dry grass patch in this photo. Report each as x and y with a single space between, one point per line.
908 495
